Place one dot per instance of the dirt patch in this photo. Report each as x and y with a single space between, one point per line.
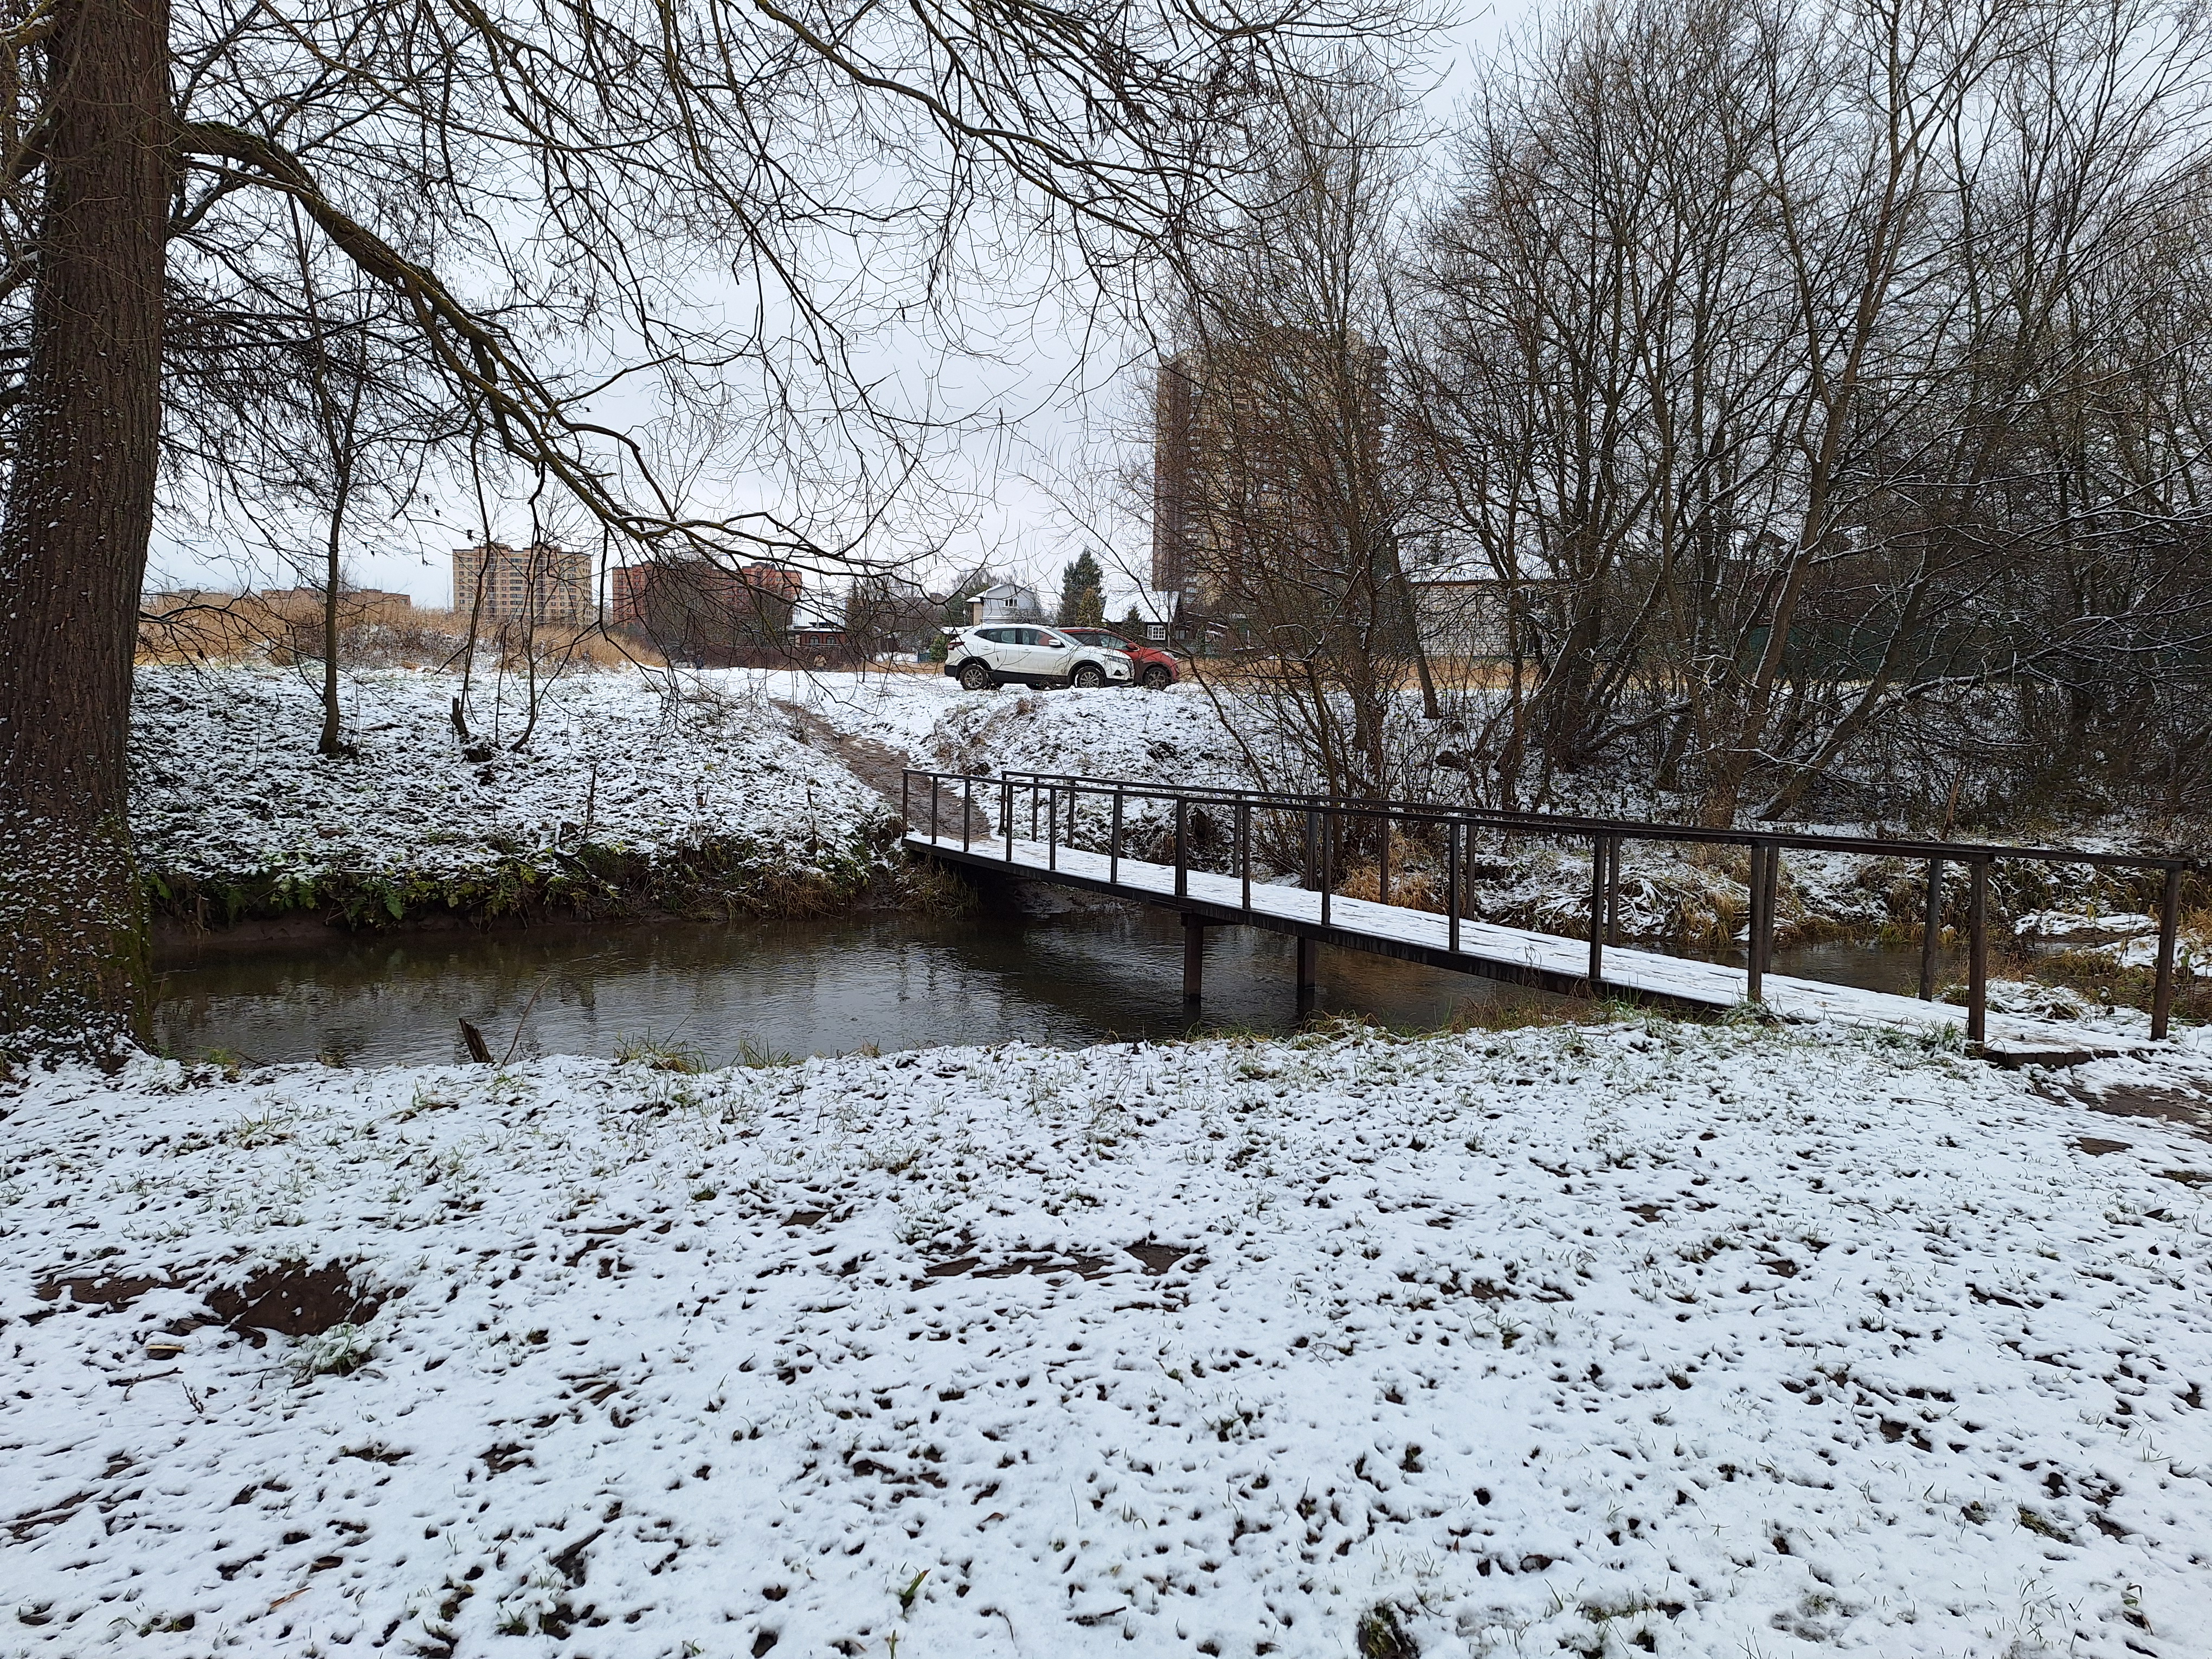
94 1292
293 1299
2188 1107
1158 1258
2097 1148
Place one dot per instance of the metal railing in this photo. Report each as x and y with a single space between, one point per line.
1325 825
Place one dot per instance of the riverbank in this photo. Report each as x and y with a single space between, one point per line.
1642 1336
623 800
752 792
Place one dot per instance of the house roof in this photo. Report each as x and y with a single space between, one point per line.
1006 590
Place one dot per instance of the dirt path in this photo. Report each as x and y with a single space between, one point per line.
880 767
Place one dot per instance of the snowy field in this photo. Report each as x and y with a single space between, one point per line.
1637 1338
225 782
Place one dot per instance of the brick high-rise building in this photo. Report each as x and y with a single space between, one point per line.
693 608
541 584
1173 398
1262 448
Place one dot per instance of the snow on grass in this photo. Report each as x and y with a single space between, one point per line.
1666 1338
226 781
1172 736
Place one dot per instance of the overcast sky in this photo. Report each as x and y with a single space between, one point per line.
1026 499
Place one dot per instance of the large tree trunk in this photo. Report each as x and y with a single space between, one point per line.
73 925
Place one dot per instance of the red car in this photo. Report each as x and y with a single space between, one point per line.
1156 668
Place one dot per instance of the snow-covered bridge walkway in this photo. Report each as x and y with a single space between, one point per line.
1516 955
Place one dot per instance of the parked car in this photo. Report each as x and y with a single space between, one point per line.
982 658
1156 668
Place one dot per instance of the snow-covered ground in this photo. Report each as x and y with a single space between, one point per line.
226 787
1177 735
1703 1341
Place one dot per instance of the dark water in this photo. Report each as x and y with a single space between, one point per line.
802 988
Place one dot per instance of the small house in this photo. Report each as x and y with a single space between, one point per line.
1004 602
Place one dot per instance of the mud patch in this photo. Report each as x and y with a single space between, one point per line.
94 1292
1158 1258
293 1299
882 769
2189 1109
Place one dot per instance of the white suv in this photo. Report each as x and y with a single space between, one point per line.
982 658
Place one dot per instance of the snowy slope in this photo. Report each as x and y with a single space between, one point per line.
1172 736
226 781
1692 1341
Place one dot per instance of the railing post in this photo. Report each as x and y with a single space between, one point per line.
1452 838
1329 831
1182 861
1931 933
2169 925
936 795
1383 868
1977 949
1597 914
967 809
1768 909
1114 850
1755 986
906 794
1006 815
1034 799
1052 828
1313 819
1245 847
1613 890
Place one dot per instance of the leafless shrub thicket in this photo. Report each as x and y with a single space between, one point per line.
1803 398
1819 386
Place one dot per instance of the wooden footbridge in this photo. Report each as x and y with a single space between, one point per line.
1076 835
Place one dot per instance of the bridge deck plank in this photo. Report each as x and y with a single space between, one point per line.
1487 947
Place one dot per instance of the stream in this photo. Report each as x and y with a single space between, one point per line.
725 992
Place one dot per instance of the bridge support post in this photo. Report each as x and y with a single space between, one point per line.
1193 956
1978 952
1309 956
1931 933
2169 924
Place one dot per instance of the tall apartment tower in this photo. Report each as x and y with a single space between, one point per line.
540 583
1262 448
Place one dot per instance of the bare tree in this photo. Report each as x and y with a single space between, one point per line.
1799 373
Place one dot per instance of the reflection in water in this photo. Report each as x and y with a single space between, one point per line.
799 987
